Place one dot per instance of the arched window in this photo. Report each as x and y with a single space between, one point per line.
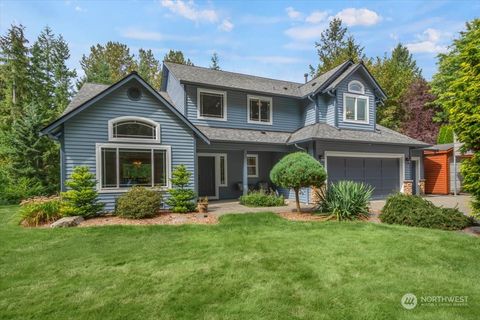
356 87
133 129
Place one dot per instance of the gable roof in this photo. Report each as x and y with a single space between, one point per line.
94 92
321 80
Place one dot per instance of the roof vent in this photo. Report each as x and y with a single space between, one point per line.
263 132
285 88
313 84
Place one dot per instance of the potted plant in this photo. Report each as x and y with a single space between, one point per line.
202 205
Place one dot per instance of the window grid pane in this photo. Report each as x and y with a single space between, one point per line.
160 168
109 168
252 169
361 109
254 109
135 167
350 108
222 170
134 129
265 111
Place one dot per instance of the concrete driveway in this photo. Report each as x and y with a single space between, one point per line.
462 202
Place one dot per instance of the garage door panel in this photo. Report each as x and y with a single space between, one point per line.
383 174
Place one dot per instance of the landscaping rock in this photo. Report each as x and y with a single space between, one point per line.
67 222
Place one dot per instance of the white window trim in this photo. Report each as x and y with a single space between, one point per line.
399 156
223 93
356 96
269 99
98 163
256 165
417 173
217 171
355 91
111 122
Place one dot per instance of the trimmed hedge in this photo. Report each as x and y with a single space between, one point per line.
262 198
138 203
417 212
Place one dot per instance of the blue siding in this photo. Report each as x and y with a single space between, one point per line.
176 92
287 112
323 101
330 116
343 88
89 127
309 113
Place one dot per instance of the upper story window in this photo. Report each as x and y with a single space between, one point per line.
135 129
356 87
355 108
212 104
259 110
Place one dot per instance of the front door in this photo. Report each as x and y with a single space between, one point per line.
206 177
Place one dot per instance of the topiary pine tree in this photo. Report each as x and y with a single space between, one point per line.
298 170
82 198
181 197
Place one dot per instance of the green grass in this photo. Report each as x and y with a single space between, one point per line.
247 267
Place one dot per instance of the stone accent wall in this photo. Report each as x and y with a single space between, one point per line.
408 187
421 186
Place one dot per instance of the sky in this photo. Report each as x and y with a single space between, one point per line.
266 38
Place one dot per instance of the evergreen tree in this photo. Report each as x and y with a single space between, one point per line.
63 75
335 47
215 62
149 68
417 104
14 77
395 74
107 64
181 197
177 57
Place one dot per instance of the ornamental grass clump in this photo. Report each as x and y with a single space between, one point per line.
262 198
138 203
346 200
40 210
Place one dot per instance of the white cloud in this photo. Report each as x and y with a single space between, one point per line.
293 14
80 9
317 16
305 32
189 11
275 59
226 25
429 42
359 17
139 34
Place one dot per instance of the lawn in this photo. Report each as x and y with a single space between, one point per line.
247 267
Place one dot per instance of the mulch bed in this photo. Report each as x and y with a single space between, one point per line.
164 218
307 216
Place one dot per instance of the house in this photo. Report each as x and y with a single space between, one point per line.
442 168
229 129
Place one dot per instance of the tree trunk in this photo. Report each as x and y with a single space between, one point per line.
297 200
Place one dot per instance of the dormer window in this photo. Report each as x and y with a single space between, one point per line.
356 87
133 129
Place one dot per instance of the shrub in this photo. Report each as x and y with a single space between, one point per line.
417 212
82 198
347 200
298 170
445 134
470 169
181 197
39 210
13 191
138 203
262 198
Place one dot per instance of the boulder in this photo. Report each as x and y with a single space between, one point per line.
67 222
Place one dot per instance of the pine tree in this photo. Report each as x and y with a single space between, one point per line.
14 77
177 57
335 47
107 64
149 68
214 65
181 197
63 75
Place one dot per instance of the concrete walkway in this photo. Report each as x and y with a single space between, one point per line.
221 207
462 202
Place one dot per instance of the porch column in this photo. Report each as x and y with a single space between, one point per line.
245 173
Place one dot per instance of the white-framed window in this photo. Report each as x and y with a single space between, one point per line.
133 129
355 108
356 87
222 170
252 165
121 166
259 110
212 104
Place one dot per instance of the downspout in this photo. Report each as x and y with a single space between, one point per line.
300 148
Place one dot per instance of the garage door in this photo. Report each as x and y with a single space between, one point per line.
381 173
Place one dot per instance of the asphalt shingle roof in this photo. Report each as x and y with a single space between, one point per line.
323 131
86 92
244 135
